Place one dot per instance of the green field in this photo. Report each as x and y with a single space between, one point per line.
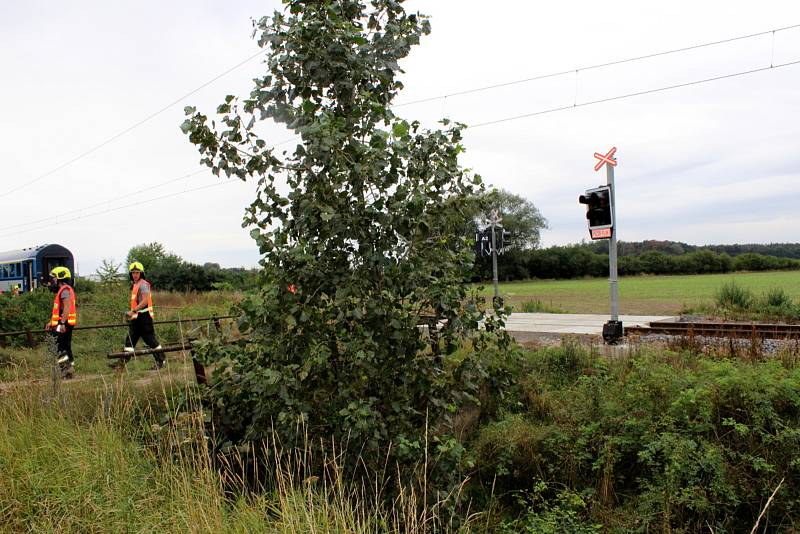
650 295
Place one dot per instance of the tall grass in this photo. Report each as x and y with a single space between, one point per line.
122 458
736 302
733 296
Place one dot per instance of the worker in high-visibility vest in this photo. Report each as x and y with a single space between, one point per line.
140 317
63 318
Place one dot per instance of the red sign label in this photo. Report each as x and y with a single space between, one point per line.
601 233
605 158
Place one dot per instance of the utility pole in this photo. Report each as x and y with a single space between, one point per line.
495 219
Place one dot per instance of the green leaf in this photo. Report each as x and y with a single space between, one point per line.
400 129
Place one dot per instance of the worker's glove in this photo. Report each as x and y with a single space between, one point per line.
61 328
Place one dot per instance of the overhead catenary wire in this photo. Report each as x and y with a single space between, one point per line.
117 208
574 105
422 100
106 201
630 95
114 199
131 127
576 70
487 123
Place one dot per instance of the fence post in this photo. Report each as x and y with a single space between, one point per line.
199 370
29 336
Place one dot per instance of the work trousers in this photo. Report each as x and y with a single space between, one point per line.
64 342
142 328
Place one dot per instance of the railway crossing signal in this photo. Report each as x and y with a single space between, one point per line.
601 215
599 211
483 243
483 240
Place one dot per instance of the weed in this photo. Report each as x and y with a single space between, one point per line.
537 306
733 296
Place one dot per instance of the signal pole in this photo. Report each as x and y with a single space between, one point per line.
612 249
495 219
606 228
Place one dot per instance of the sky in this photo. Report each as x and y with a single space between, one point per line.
92 103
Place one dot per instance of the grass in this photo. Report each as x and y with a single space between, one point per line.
646 295
117 457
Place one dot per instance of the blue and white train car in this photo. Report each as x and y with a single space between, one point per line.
30 267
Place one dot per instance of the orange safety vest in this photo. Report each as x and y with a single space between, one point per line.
135 293
72 315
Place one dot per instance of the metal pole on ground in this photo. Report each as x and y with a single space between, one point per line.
496 301
612 249
612 330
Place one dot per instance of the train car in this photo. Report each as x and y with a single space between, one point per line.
30 267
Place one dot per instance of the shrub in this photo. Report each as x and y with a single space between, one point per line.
733 296
29 310
654 442
777 297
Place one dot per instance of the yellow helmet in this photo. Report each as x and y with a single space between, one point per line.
60 273
135 266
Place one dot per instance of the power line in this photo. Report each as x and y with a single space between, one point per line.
102 202
596 66
131 205
131 127
628 95
457 93
506 119
162 184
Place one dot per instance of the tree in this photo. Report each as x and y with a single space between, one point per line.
109 271
520 217
153 256
367 244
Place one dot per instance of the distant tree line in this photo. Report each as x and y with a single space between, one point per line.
169 272
648 257
676 248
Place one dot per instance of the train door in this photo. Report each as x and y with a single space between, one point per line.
27 275
51 263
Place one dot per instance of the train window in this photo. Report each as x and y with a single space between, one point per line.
4 271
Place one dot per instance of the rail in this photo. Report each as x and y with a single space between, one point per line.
30 332
719 329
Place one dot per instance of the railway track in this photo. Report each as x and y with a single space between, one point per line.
718 329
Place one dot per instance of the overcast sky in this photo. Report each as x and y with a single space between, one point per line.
710 163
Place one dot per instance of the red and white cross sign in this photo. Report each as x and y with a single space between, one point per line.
607 158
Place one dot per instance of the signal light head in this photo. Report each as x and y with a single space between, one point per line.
598 210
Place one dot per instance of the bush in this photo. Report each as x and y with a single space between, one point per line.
777 297
734 297
652 443
29 310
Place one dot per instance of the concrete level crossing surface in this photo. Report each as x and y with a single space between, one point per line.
571 323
